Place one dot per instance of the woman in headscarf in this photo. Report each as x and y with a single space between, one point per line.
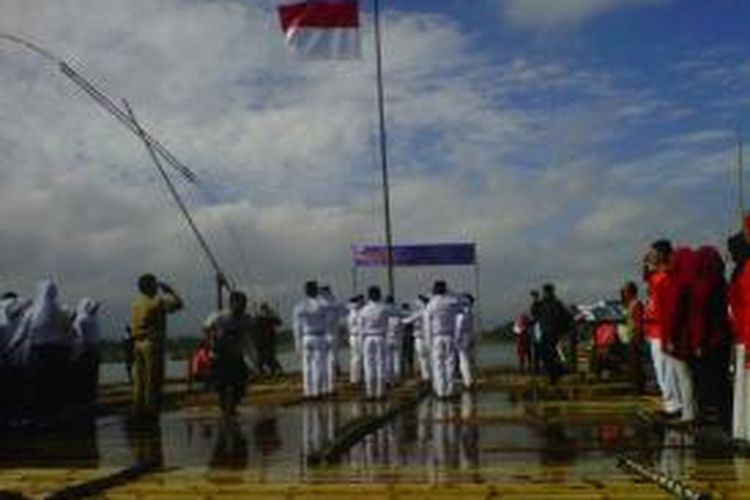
86 350
709 337
11 353
50 340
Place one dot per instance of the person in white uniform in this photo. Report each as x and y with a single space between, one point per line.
309 325
393 342
373 327
465 340
421 341
334 312
440 319
355 339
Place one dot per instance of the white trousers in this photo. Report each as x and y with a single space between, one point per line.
314 376
393 357
443 365
665 377
422 352
683 382
741 407
466 364
375 368
355 359
330 361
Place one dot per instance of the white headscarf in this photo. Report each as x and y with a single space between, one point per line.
47 317
86 324
17 350
11 314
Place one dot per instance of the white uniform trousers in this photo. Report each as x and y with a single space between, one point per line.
313 365
682 383
443 365
393 356
355 359
330 361
466 364
375 368
422 352
741 407
665 378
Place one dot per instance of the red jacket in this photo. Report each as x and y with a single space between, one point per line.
658 282
708 323
675 316
739 302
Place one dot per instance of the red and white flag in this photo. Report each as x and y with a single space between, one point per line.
323 29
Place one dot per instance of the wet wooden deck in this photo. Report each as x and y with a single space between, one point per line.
530 440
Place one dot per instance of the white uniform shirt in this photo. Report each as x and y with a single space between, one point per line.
333 311
416 319
440 315
309 318
373 319
465 326
395 324
352 320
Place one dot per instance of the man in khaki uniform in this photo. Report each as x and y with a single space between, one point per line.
148 324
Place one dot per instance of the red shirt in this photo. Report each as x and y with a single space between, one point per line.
658 283
739 302
677 310
708 322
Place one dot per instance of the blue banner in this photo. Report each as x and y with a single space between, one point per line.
442 254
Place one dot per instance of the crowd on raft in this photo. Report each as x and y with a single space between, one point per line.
49 354
692 328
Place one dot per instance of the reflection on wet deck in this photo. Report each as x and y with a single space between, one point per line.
513 436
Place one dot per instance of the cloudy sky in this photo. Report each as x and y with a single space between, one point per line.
560 136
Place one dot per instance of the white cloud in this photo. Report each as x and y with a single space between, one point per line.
479 151
546 14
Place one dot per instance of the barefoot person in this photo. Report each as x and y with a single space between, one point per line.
232 344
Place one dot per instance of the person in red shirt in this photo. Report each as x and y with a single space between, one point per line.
739 306
522 329
199 365
657 280
675 321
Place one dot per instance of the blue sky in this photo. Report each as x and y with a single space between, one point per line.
561 136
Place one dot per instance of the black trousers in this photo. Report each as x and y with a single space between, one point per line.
553 367
713 385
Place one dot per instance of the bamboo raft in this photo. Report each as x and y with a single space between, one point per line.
555 462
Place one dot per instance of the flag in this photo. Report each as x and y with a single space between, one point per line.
321 29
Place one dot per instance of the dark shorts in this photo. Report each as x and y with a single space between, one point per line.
229 372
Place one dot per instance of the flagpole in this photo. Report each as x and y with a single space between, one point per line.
384 150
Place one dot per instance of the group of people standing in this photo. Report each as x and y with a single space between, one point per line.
235 344
49 356
689 322
690 317
384 339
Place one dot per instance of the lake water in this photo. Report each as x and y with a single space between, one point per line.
488 355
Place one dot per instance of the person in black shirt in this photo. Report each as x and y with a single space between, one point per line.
555 321
266 324
232 343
